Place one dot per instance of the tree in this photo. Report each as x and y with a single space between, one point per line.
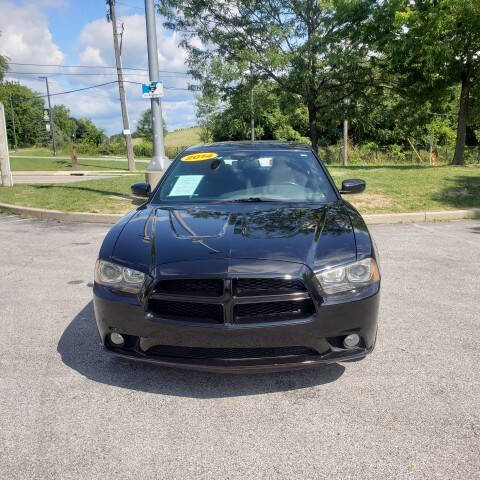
3 65
277 115
65 125
207 105
88 133
28 111
433 45
145 126
305 47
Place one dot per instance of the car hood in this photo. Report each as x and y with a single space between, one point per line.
317 236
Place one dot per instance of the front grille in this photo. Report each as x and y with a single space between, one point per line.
244 287
204 312
254 312
179 299
191 287
227 353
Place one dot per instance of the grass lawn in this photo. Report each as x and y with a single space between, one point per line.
93 196
412 188
51 164
389 189
38 152
183 138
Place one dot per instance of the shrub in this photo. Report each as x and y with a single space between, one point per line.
144 149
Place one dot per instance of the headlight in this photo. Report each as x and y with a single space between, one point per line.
349 277
118 277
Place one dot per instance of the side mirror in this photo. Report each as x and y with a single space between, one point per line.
353 185
141 189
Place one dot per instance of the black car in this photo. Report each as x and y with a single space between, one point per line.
244 258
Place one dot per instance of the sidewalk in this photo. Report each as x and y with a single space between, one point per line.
50 179
104 159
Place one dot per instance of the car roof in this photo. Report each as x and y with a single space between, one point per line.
246 145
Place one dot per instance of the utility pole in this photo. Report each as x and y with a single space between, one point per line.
252 120
6 174
156 166
121 87
13 125
431 148
345 142
50 115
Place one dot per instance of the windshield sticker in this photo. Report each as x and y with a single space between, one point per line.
265 161
185 185
199 157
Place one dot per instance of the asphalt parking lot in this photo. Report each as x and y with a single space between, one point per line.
410 410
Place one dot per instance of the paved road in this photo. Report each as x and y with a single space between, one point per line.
411 410
43 179
101 159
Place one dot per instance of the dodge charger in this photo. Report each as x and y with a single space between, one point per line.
244 257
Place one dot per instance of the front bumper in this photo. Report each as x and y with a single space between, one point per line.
319 334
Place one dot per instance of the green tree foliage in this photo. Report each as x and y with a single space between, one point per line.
277 116
432 46
87 132
145 126
3 67
207 105
65 125
305 47
29 107
28 112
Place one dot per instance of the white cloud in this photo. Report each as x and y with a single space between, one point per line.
96 48
92 56
25 36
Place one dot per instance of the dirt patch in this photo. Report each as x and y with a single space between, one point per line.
458 193
370 201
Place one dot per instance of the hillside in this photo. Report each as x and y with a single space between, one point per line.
183 137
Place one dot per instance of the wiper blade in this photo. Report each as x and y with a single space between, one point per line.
252 199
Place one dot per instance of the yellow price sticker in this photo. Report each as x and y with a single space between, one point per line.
199 157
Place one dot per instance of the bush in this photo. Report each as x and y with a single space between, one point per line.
172 152
86 149
330 155
398 153
144 149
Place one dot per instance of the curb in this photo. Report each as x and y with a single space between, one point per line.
60 216
370 219
421 217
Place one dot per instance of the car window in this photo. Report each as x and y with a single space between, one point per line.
216 176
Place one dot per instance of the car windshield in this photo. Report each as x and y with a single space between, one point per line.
245 176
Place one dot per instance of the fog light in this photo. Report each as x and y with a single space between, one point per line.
351 341
117 339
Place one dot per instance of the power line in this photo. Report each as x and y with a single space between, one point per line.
78 89
90 66
102 85
69 73
72 66
14 72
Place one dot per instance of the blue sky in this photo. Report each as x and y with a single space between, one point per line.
75 32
